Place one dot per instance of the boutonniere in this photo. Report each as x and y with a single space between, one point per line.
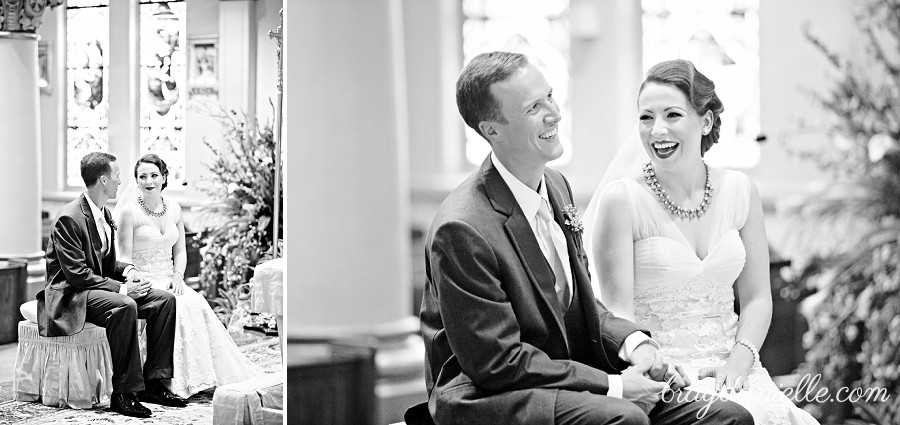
112 224
573 219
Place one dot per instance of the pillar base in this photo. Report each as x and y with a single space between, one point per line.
37 270
399 369
399 363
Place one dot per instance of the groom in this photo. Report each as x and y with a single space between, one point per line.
85 283
513 332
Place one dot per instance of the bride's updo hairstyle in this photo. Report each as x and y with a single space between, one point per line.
152 158
699 91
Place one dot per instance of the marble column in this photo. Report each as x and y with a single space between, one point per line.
20 153
347 237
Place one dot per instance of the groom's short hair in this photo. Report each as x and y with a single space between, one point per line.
474 99
94 165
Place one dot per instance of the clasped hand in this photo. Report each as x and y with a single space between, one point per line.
136 286
651 375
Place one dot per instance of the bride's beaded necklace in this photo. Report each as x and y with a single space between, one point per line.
149 211
674 209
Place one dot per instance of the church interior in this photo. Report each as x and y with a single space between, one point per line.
327 132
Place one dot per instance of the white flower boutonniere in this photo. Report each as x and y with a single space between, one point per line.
112 224
573 219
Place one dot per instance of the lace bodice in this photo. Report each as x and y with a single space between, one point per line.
152 248
687 303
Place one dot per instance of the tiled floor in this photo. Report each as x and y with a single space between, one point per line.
7 361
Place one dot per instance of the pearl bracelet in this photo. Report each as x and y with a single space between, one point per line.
746 343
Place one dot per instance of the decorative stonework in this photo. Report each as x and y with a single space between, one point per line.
24 15
278 34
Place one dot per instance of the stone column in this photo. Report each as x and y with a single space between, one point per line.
20 161
237 55
432 37
606 64
347 189
125 86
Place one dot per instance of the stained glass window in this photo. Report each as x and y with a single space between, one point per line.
163 84
537 28
721 38
87 83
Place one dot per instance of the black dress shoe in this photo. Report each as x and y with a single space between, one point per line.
127 404
157 393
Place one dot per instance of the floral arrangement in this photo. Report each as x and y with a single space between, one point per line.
238 227
849 234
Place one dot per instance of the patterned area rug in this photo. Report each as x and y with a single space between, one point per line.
263 351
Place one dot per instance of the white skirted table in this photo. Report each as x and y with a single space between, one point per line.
257 400
267 290
254 401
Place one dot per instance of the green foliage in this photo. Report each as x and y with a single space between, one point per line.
238 227
851 231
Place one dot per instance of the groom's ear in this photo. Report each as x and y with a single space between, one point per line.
488 129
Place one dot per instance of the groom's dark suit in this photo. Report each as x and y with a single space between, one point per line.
495 336
499 348
82 285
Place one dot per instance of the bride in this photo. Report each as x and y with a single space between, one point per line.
673 240
151 236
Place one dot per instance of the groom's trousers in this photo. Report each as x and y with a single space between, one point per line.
682 407
118 313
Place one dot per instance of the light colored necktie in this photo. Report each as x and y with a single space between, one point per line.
104 238
551 251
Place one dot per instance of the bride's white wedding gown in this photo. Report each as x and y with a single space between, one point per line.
205 356
687 302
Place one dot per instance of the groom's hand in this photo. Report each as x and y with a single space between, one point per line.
661 368
137 288
639 389
133 274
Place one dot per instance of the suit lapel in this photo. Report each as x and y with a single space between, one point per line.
93 234
523 241
577 256
578 262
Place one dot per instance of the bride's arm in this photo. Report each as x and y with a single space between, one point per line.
756 302
179 255
613 251
753 284
125 236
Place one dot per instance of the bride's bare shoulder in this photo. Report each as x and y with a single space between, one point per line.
124 212
173 203
615 194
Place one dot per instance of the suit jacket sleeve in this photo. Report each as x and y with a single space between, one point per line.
120 270
67 236
481 323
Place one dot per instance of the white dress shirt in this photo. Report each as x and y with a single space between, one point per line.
100 220
529 201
